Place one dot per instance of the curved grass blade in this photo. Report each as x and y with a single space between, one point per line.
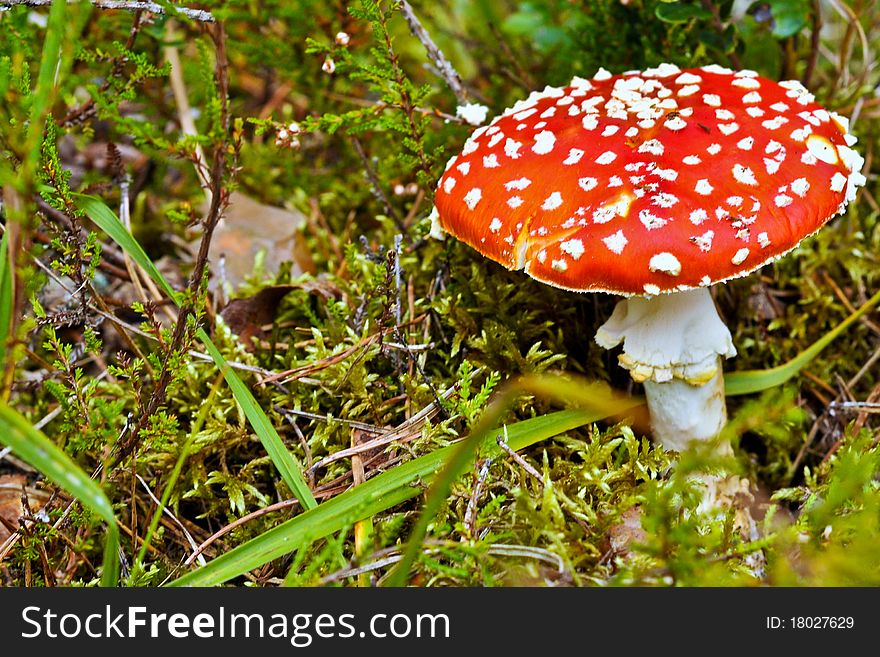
749 381
284 461
373 496
287 464
107 221
32 446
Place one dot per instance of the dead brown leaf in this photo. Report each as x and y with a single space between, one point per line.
10 503
249 227
247 317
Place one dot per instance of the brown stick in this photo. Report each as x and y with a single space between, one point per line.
125 5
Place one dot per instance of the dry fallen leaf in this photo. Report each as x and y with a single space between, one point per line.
10 503
249 227
246 317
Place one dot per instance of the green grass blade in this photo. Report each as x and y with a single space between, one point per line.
6 297
32 446
373 496
287 465
107 221
289 468
750 381
56 32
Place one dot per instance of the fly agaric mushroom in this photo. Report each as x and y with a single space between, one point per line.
654 185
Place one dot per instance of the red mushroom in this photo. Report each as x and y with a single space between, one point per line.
654 185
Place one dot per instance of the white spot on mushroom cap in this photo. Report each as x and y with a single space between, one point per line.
713 149
746 143
728 129
490 161
698 216
704 241
573 247
522 116
470 146
473 197
574 156
652 146
590 121
665 262
544 142
675 123
712 100
744 174
783 201
666 174
606 158
514 202
688 90
703 187
664 200
602 74
774 123
552 202
763 240
800 186
740 256
650 288
587 183
838 181
772 166
662 71
559 265
495 225
511 148
800 134
746 83
616 242
691 160
519 184
688 78
651 221
464 167
448 184
610 130
754 111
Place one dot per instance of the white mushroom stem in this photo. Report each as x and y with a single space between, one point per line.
674 344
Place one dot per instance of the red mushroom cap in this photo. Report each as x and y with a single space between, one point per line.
651 181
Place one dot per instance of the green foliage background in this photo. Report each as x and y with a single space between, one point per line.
814 465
